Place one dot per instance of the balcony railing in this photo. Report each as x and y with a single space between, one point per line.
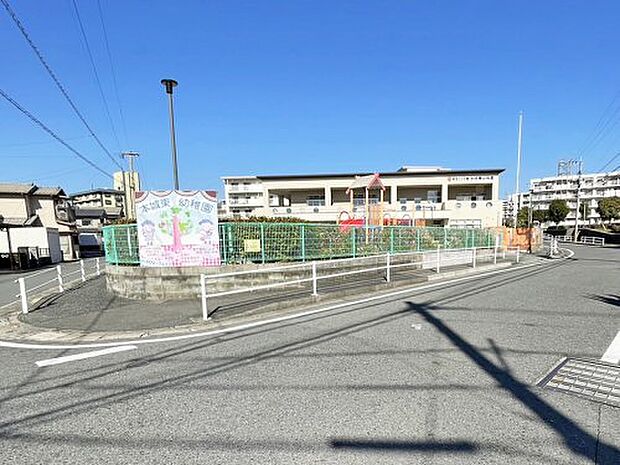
257 201
423 208
247 188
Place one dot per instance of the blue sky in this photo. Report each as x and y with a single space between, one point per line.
276 87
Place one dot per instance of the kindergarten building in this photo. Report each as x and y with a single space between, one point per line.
421 196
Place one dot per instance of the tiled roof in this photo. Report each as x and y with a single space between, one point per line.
16 188
49 191
98 190
33 189
89 212
18 221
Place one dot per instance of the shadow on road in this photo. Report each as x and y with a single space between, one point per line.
403 446
576 439
611 299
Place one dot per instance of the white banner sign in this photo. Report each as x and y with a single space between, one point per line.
177 228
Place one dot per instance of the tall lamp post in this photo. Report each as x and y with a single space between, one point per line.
170 84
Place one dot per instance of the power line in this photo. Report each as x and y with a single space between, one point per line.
62 89
598 123
607 121
609 162
611 123
97 80
107 47
52 133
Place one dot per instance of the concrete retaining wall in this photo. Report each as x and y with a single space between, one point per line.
154 283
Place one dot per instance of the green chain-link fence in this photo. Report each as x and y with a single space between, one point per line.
277 242
120 243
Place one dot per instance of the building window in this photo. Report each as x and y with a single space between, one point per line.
315 201
108 202
361 201
433 196
466 224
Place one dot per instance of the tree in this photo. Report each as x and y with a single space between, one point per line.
558 210
609 208
522 217
540 215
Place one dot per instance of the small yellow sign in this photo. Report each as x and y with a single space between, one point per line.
251 245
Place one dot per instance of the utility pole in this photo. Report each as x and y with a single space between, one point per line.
518 181
130 196
580 163
170 84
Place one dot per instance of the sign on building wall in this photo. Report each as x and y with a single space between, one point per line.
177 228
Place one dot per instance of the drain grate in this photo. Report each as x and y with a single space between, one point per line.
595 380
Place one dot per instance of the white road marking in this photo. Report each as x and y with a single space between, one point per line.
233 329
83 355
612 354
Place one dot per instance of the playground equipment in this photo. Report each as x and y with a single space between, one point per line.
372 206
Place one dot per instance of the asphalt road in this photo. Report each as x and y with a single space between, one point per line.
435 377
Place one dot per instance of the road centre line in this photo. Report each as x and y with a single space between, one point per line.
242 327
84 355
612 354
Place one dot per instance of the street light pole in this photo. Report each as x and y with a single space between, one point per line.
576 234
518 180
169 84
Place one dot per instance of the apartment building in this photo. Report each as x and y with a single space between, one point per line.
110 200
592 188
94 209
421 195
24 207
512 205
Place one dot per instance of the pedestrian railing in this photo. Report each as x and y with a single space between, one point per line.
316 271
55 280
590 240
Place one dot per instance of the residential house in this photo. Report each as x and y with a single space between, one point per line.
24 207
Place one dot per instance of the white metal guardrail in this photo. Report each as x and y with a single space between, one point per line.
61 277
433 259
589 240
